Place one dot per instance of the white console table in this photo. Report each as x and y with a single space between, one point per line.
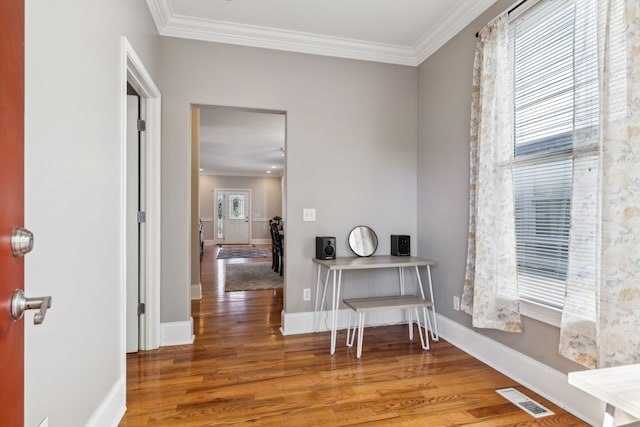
338 265
618 387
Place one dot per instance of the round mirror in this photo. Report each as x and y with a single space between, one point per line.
363 241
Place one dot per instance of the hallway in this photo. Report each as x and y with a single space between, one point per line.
242 371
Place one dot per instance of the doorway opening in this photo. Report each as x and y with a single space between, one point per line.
242 176
241 148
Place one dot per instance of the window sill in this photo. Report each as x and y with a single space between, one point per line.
541 313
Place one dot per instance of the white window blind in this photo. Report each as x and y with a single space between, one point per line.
555 91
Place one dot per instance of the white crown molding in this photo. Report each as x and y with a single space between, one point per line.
465 12
161 12
173 25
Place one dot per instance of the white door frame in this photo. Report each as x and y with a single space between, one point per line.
134 72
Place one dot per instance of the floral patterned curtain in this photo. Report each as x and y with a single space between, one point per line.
601 322
490 288
601 314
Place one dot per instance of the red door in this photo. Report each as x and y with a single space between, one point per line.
11 206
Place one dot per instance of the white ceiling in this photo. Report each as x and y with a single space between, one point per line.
235 142
403 32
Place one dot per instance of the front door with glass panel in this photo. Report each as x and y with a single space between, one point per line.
233 209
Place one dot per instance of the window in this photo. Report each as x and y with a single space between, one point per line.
236 206
555 86
220 214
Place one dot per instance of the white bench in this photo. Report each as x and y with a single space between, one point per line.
408 302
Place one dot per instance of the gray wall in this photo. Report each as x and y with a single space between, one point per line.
266 200
351 145
73 194
444 82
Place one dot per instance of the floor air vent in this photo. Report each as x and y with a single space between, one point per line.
531 407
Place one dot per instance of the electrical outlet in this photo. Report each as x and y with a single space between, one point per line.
308 214
306 294
456 303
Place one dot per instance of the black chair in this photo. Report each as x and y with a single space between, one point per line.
201 233
274 248
277 248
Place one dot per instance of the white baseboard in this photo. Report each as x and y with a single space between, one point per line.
260 241
253 242
536 376
176 333
112 408
542 379
296 323
196 291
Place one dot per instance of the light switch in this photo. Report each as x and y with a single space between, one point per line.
308 214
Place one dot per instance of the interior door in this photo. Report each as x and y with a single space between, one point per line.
132 239
233 225
11 206
136 187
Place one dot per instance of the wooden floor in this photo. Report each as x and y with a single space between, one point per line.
242 371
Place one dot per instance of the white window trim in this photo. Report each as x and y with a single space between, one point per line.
542 313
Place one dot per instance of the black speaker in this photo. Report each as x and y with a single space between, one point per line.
325 247
400 245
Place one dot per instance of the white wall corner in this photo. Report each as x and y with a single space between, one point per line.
112 408
196 291
176 333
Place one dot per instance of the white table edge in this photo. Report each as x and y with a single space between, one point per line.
373 262
581 380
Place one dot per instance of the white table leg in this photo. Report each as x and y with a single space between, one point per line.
349 344
434 334
434 331
405 312
322 300
335 306
316 308
360 333
427 324
333 315
424 341
609 415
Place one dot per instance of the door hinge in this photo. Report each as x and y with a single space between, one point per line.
142 125
142 217
141 308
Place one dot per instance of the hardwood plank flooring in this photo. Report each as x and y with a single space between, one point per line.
242 371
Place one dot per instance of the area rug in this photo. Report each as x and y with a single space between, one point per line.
225 253
250 277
